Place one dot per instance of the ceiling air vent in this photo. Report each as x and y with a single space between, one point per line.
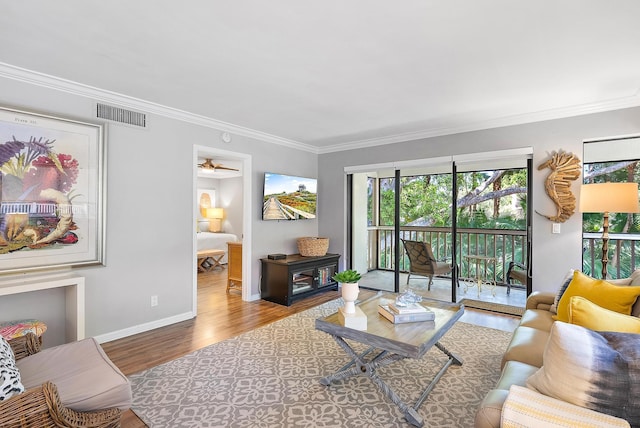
117 114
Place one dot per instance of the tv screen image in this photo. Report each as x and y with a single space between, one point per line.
287 197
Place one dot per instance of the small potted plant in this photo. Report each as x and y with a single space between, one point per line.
347 276
350 290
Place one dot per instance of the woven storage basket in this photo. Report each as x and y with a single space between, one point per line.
313 246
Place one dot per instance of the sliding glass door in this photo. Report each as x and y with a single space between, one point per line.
389 205
425 227
493 220
371 200
470 214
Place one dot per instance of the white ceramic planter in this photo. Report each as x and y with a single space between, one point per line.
350 291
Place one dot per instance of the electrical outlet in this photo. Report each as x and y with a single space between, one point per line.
154 301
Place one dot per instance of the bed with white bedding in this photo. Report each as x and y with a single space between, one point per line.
215 241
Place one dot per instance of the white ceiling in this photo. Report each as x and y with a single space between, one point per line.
334 74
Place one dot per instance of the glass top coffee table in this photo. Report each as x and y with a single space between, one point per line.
392 342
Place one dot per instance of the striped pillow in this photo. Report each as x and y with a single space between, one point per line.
527 408
565 283
596 370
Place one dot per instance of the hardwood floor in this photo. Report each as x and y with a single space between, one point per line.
222 316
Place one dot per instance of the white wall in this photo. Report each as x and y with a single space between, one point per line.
360 233
230 198
149 222
150 251
205 183
553 254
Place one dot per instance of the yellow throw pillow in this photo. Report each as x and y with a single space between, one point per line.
613 297
587 314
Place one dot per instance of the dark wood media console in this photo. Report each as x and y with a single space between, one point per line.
296 277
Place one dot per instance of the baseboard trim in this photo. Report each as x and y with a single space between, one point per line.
141 328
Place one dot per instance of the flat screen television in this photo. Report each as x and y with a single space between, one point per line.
286 197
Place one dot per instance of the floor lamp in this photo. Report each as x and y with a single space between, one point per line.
608 198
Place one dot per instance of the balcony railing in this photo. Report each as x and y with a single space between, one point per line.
624 254
502 245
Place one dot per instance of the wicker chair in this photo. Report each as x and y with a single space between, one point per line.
41 406
422 262
518 272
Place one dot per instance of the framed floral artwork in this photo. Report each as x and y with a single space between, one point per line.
52 199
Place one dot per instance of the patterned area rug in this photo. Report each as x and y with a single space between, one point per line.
269 378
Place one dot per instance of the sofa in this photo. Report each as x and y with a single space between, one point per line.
71 385
524 355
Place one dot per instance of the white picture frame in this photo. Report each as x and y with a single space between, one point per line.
52 200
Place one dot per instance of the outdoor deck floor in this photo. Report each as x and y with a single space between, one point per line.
441 289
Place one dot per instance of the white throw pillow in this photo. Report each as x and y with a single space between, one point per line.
596 370
527 408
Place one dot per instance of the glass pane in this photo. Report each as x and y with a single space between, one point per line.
490 202
623 247
425 200
387 201
493 199
302 281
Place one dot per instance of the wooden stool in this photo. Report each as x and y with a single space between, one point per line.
212 257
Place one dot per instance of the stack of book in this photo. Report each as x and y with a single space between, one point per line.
402 314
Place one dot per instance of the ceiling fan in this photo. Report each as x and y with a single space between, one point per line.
209 165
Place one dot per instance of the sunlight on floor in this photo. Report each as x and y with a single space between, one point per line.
441 289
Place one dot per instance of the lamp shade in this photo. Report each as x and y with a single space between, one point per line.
609 197
215 213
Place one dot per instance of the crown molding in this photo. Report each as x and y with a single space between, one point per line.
40 79
63 85
559 113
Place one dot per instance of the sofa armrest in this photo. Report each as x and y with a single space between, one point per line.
527 408
540 300
26 345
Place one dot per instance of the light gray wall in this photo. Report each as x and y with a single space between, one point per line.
209 184
553 254
150 250
360 233
150 225
230 198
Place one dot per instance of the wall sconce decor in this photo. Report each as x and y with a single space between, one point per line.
565 168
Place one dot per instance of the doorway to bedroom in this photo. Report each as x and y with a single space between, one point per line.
221 207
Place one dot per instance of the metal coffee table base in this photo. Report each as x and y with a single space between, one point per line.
358 366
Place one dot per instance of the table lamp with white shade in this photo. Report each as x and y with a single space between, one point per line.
608 198
215 216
